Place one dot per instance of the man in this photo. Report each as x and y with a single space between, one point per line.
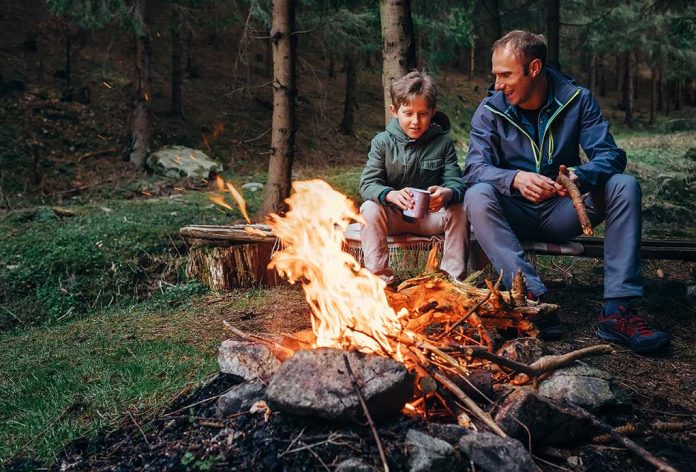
533 120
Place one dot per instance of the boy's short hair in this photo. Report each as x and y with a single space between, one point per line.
413 84
525 45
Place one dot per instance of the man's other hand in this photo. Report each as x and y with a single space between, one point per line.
561 190
439 196
534 187
402 198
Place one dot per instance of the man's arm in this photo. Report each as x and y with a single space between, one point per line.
483 160
606 158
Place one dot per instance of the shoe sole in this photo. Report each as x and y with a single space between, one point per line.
618 339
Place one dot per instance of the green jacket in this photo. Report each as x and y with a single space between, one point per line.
396 161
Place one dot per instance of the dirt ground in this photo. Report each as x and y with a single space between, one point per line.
189 437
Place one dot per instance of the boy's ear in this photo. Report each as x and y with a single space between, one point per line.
392 110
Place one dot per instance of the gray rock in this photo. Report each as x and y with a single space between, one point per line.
252 186
585 386
181 161
315 383
353 465
239 398
246 360
524 350
495 454
450 433
429 453
548 423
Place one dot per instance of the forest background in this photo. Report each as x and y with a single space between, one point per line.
96 316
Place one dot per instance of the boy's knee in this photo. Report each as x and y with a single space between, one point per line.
479 197
372 211
456 212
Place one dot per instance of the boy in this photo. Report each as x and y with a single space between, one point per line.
414 151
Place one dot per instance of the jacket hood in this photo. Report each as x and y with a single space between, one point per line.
439 125
562 87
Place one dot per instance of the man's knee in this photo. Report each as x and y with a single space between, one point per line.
479 198
623 186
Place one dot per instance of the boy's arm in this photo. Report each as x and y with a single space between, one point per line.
452 175
483 161
374 176
606 158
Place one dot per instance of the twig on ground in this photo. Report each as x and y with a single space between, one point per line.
141 429
358 392
632 446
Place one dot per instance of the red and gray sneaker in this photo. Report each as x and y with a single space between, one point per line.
627 327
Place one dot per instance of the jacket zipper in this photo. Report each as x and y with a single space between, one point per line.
537 150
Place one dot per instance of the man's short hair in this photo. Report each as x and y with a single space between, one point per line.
413 84
525 45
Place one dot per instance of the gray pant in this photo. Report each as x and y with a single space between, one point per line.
501 222
386 220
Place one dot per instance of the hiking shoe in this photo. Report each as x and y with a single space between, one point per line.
626 327
548 324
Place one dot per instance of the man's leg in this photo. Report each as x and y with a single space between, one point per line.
499 222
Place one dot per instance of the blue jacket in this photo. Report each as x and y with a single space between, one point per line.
502 143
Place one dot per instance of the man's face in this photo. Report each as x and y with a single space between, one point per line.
508 70
414 117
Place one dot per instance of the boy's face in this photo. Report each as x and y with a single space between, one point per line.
414 117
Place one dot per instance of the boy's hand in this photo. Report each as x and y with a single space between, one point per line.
439 196
561 190
402 198
534 187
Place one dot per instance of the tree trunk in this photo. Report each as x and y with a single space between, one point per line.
283 125
553 28
68 62
592 82
175 29
602 78
332 67
628 88
678 93
193 68
472 62
653 94
619 71
661 88
349 102
140 122
398 45
497 20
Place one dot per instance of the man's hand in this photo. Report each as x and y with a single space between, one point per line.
561 190
534 187
401 198
439 196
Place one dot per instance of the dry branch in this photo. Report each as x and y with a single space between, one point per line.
281 352
574 193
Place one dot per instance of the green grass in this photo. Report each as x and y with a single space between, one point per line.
66 381
114 252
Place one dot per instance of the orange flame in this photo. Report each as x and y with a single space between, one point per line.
348 303
220 199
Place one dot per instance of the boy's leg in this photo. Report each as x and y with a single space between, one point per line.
499 223
456 248
373 237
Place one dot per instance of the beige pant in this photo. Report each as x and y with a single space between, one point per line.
386 220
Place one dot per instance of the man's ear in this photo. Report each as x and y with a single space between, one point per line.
392 110
535 67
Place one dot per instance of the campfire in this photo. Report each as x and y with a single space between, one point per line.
431 348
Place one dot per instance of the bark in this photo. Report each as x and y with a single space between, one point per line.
140 121
592 79
628 88
175 29
678 93
68 61
497 20
553 28
193 68
472 62
653 95
619 73
349 102
661 88
283 125
398 44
